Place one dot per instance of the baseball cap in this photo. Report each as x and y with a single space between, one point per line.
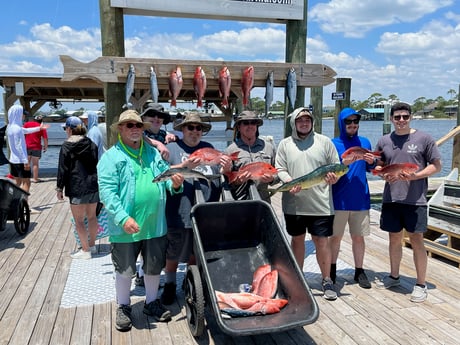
72 122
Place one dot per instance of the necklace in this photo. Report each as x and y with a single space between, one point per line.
138 156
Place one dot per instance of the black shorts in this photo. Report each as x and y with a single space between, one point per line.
396 216
34 153
17 170
320 226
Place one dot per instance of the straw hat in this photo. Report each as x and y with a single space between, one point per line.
195 118
129 116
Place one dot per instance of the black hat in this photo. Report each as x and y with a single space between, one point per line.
157 109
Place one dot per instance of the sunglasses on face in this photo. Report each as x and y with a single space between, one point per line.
349 122
197 127
249 122
398 117
137 125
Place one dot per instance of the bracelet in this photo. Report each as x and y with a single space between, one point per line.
58 189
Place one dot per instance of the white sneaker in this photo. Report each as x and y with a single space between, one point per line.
93 249
81 254
419 294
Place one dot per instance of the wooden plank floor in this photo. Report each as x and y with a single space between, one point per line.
34 271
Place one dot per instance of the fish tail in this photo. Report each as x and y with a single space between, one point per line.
199 104
173 103
234 156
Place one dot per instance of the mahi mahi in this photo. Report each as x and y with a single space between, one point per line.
313 178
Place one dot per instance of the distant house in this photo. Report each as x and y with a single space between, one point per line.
375 114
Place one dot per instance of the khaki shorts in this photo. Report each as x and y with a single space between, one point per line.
358 223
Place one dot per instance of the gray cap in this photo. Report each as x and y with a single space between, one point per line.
156 109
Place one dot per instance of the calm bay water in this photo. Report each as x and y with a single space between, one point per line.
275 128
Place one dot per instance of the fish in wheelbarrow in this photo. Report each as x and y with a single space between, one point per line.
248 304
210 156
356 153
396 169
312 179
256 169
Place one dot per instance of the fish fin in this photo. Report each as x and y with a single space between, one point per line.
234 156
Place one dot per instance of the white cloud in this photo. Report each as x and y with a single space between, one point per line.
355 18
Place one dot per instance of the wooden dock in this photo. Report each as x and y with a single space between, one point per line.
36 271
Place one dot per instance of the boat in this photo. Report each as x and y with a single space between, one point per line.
445 202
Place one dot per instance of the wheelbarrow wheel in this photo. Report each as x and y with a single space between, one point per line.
22 218
194 301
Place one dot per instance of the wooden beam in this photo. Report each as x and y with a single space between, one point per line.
112 69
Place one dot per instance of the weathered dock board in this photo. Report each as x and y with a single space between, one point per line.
35 273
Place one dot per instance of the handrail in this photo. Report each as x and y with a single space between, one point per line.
454 131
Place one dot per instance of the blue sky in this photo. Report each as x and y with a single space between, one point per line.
410 48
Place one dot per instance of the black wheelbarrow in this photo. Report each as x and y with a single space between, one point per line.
231 240
13 206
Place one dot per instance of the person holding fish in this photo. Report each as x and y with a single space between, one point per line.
179 205
136 214
310 209
404 201
158 137
351 195
251 148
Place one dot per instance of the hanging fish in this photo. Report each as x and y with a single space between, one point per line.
268 91
291 87
225 82
247 82
175 85
199 85
154 85
129 88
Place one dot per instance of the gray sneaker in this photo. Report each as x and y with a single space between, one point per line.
329 291
387 283
123 319
158 311
419 294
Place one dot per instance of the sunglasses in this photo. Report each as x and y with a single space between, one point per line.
197 127
398 117
131 125
249 122
64 128
349 122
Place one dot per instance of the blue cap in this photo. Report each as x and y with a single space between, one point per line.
73 122
346 112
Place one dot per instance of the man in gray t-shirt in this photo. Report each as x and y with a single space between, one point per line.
404 204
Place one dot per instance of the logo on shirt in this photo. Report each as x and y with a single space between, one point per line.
412 148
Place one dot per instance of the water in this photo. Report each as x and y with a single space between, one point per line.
275 128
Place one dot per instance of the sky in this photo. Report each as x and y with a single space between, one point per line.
407 48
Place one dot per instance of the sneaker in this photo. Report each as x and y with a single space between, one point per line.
93 249
169 294
388 282
362 280
329 291
419 294
139 281
158 311
123 320
81 254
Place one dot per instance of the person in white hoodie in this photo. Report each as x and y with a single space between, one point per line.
19 162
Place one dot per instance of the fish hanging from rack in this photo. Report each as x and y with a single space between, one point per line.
199 85
225 82
269 82
154 85
247 82
129 87
175 85
291 87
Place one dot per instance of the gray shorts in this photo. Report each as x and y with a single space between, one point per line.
124 256
358 222
85 199
180 244
34 153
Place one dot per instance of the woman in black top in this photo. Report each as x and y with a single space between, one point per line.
77 179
